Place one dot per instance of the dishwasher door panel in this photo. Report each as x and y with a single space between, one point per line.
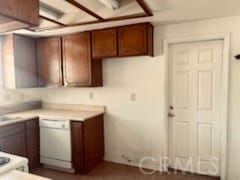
55 144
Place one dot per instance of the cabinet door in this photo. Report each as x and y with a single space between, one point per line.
33 143
18 14
104 43
93 142
23 10
15 144
49 61
133 40
87 143
77 60
77 146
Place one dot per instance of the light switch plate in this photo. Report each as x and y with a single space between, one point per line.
133 97
91 95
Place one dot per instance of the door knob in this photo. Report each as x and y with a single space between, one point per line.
171 115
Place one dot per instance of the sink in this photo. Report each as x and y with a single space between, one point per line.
4 118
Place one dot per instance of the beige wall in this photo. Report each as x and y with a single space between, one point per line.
135 129
8 97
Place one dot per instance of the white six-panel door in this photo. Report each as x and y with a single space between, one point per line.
194 111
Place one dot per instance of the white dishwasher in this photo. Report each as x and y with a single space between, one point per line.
55 144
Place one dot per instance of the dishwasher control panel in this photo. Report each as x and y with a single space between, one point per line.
56 124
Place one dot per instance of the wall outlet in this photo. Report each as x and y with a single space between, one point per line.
91 95
126 158
133 97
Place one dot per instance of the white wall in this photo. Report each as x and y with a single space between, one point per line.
132 128
8 97
135 129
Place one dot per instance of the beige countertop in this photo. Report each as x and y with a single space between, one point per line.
15 175
74 115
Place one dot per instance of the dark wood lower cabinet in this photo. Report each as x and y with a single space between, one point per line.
87 143
21 139
14 144
77 146
33 142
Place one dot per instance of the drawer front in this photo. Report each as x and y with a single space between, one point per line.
12 129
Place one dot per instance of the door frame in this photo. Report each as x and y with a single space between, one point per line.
224 91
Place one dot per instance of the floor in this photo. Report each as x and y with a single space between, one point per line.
112 171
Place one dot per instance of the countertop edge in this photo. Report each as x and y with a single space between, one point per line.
41 116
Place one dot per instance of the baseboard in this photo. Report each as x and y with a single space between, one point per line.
150 167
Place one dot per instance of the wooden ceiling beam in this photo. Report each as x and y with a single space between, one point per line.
88 11
51 20
145 7
29 29
83 23
60 27
127 17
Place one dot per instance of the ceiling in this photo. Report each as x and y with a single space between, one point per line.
164 12
73 14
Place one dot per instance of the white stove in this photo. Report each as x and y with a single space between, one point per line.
15 163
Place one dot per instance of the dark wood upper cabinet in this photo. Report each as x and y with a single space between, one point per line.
18 14
18 61
76 60
78 67
49 58
104 43
135 40
131 40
